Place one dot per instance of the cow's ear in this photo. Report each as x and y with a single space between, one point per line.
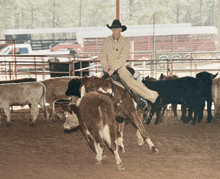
161 76
84 78
215 75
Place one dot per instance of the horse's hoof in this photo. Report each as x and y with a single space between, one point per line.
153 149
32 123
120 167
8 124
98 163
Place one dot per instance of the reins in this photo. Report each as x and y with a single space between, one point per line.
127 89
115 76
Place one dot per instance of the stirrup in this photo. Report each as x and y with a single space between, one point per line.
142 104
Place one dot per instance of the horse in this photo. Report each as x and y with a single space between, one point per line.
125 107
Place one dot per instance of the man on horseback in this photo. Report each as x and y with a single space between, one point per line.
113 56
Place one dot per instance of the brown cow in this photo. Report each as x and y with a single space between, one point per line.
97 119
125 107
56 89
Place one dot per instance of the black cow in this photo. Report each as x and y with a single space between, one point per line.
205 83
174 106
183 91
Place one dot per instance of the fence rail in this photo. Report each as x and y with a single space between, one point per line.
42 67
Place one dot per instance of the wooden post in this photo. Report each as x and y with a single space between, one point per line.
118 9
132 54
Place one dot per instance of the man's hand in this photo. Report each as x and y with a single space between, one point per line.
106 70
111 72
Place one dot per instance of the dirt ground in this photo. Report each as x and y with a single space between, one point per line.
45 151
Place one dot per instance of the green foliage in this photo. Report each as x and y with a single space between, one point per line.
25 14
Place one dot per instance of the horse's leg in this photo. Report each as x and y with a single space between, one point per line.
144 134
120 130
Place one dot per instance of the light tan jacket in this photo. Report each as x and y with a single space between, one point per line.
114 54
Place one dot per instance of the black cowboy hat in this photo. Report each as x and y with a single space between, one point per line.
117 24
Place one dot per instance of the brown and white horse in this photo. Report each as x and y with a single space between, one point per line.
124 106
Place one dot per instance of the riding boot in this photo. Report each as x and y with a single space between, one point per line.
141 102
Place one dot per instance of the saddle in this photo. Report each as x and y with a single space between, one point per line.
142 104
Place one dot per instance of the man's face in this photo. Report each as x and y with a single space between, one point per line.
116 32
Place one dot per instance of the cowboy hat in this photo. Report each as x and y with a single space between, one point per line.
117 24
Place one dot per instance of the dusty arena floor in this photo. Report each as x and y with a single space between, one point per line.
44 151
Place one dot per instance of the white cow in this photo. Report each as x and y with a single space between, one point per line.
20 94
56 90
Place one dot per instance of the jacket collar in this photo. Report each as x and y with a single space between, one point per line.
119 39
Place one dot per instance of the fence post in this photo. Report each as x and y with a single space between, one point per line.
96 66
168 68
70 69
35 68
43 67
73 72
80 66
10 70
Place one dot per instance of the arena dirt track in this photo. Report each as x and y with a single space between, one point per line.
44 151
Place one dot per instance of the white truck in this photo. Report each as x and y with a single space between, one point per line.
23 54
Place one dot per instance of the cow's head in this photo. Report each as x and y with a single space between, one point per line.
148 78
71 113
93 83
73 87
203 76
205 82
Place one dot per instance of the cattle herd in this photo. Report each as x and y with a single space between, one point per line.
102 107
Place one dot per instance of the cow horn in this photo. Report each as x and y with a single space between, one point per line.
215 75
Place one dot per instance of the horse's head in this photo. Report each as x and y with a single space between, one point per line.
93 83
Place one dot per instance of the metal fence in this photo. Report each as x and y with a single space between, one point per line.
44 67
